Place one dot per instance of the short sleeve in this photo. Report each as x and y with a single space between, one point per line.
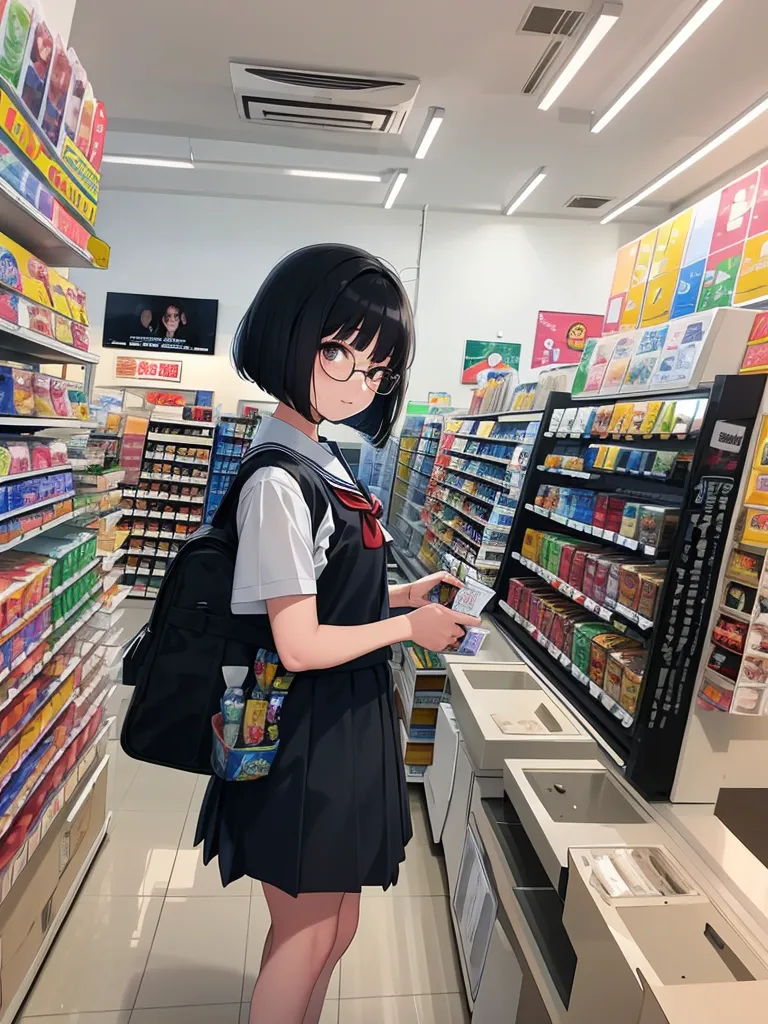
275 555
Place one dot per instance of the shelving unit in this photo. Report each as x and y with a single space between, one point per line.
420 685
416 451
232 439
473 492
645 731
167 503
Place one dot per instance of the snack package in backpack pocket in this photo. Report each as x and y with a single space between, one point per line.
246 732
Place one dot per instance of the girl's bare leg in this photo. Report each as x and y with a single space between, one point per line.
304 932
349 914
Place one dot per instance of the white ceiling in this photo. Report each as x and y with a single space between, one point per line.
161 67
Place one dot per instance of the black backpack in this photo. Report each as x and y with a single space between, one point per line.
174 663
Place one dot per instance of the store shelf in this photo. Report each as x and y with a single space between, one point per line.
458 454
27 226
190 440
619 713
28 346
166 479
25 509
493 481
465 494
16 477
36 533
45 423
595 531
607 612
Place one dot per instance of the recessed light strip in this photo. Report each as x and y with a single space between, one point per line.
147 161
665 54
394 189
601 26
435 119
517 201
750 115
300 172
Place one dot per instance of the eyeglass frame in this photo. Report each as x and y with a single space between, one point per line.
395 377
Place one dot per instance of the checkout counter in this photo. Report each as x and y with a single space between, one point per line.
572 898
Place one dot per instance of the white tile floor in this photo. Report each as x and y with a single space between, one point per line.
154 939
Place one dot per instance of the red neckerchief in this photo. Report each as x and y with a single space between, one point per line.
370 513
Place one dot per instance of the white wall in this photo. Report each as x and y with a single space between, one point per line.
479 275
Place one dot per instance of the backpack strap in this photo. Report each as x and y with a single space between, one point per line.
311 485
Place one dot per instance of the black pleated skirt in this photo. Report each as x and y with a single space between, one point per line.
333 813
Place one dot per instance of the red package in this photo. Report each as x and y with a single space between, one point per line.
98 135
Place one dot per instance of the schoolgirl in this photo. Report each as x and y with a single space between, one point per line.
330 336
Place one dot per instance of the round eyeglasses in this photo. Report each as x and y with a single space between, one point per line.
338 362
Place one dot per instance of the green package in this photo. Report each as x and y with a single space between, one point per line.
581 649
13 44
664 463
666 421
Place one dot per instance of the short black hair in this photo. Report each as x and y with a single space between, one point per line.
318 292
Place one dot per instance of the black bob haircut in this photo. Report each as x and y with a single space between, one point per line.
318 292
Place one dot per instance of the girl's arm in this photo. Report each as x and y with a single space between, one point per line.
416 594
303 645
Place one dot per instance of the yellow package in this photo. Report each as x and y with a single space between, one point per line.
531 547
756 528
757 491
611 456
622 417
651 416
254 721
573 462
602 452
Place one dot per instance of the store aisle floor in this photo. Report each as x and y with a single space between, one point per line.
154 939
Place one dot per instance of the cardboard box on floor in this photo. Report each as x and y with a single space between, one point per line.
42 887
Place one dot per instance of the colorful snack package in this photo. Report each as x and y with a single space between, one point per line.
23 393
41 387
56 94
37 66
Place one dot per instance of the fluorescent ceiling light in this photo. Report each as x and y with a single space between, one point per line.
147 161
601 26
431 128
683 34
517 201
394 189
750 115
300 172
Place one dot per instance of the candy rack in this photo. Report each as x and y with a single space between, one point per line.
167 503
668 542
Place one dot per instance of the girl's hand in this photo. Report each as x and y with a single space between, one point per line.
437 628
418 592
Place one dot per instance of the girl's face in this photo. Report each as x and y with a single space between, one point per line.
345 381
172 319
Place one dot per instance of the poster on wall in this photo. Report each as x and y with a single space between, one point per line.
161 371
560 337
160 323
488 355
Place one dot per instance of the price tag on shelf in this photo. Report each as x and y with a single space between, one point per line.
557 518
565 661
649 550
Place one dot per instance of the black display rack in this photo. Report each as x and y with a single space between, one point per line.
166 505
232 440
705 489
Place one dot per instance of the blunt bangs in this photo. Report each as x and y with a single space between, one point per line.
319 292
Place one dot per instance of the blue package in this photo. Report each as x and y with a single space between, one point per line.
7 407
634 462
590 456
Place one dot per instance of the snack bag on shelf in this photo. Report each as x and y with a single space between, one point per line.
56 93
15 25
98 135
60 402
85 127
34 75
76 96
23 393
41 386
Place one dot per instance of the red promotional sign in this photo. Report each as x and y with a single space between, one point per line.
560 337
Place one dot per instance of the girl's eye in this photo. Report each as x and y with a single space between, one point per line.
333 353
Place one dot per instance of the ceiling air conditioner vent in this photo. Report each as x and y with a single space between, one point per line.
587 202
330 100
542 68
551 21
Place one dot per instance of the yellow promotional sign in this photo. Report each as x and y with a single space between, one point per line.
644 256
657 308
670 245
752 281
625 264
630 318
15 126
